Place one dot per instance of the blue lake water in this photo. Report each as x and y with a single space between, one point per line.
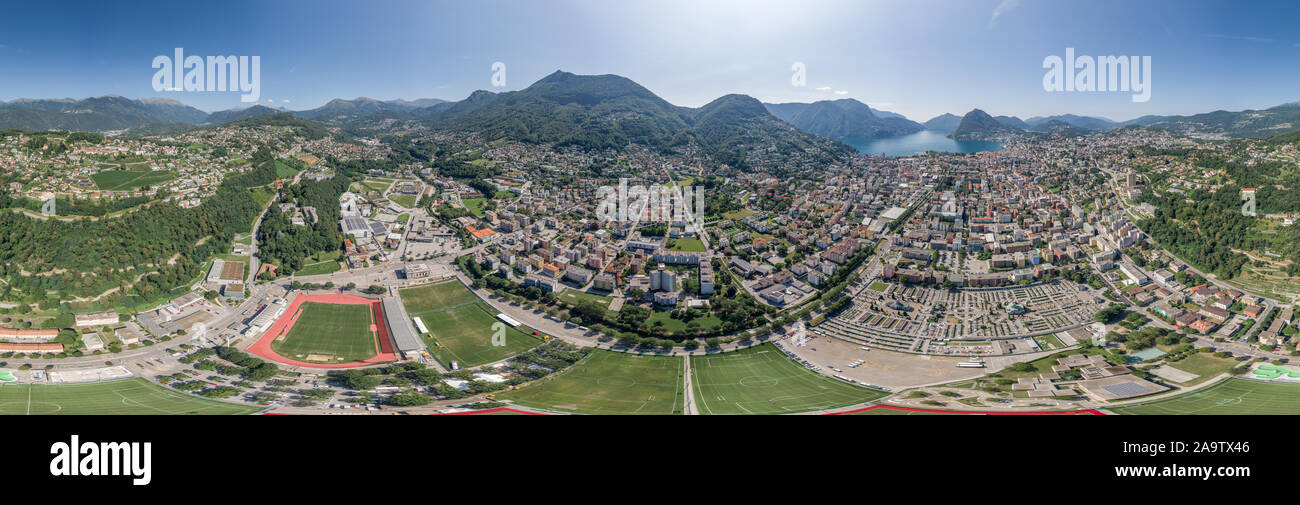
919 142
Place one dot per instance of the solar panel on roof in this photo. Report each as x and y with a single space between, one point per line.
1125 389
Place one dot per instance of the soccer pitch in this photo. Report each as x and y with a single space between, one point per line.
763 380
330 332
121 397
436 296
608 382
461 327
1233 396
898 412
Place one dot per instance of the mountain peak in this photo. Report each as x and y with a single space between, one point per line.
557 76
979 125
841 118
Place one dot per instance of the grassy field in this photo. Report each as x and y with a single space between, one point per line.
763 380
321 263
464 334
461 326
576 296
122 397
898 412
283 171
337 330
377 185
262 196
1205 365
609 382
122 180
1233 396
474 205
436 296
686 244
403 199
737 215
671 325
323 267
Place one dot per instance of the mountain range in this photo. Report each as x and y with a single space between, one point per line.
945 123
979 125
113 112
609 111
843 118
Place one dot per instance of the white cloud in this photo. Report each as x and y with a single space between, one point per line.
1002 8
286 100
824 88
841 92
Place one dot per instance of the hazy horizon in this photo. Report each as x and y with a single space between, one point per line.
920 59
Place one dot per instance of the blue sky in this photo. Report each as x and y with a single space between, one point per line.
916 57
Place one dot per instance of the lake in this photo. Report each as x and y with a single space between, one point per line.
919 142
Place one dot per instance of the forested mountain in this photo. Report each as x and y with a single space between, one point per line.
944 123
419 103
1084 122
1012 121
163 245
616 109
1060 127
978 125
598 112
842 118
1207 227
342 110
730 125
1221 123
610 111
309 130
232 115
172 111
102 113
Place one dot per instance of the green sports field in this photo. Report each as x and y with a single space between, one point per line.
121 180
339 331
1233 396
763 380
893 412
461 326
403 200
436 296
608 382
121 397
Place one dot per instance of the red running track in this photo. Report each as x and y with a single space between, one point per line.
1094 412
285 323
